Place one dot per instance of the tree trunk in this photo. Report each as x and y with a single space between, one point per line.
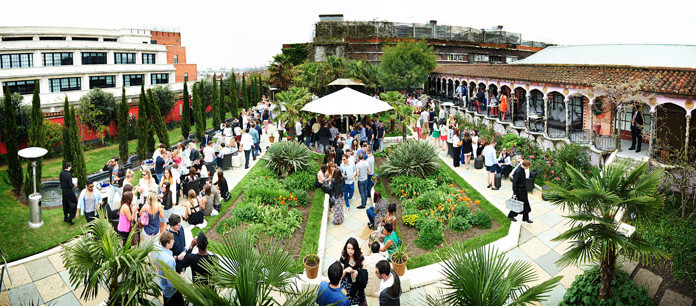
403 131
392 124
607 270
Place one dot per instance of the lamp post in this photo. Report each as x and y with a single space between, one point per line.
32 154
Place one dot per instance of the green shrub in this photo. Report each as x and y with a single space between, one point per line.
285 226
412 158
462 211
408 207
441 178
428 200
249 212
274 196
263 181
459 224
430 234
227 225
303 180
481 219
286 157
406 187
585 290
677 236
551 165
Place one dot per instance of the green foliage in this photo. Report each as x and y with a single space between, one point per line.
215 101
265 195
430 234
164 99
293 100
585 288
97 109
99 260
412 158
317 75
245 95
441 178
67 139
676 236
22 117
296 53
186 113
234 94
122 120
481 219
302 180
459 224
428 200
280 71
144 127
37 136
406 65
551 166
408 187
156 119
403 113
285 157
52 133
14 168
79 165
198 110
484 276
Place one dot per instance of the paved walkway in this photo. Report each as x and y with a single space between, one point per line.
44 281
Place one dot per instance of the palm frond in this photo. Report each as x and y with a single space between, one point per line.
537 293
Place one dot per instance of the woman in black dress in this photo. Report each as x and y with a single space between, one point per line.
354 275
519 187
466 148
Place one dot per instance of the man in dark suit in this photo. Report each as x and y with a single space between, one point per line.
636 127
519 188
204 140
69 198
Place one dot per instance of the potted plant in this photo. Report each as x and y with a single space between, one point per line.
271 138
311 261
399 259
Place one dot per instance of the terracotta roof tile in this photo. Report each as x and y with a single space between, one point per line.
674 81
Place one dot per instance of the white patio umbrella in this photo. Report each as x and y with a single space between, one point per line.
347 102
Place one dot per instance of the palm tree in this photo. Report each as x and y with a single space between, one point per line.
401 111
486 277
292 101
598 203
280 70
246 275
99 259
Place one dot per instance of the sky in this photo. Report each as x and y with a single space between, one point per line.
248 33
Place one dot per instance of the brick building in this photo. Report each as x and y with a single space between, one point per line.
176 54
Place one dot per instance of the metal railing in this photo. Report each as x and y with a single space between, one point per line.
556 132
579 136
605 143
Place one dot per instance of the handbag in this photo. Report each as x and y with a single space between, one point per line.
514 205
144 220
326 187
332 201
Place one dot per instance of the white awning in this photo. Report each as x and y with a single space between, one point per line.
347 102
346 82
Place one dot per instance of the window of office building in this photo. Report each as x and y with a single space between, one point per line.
511 59
65 84
176 58
102 81
58 59
93 58
159 78
132 80
20 60
481 58
110 39
21 87
124 58
497 59
148 58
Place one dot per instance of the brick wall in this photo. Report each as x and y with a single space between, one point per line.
166 38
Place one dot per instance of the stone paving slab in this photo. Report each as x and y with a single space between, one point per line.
102 295
672 298
555 296
551 219
548 263
546 237
67 299
57 262
40 268
20 276
569 273
534 248
649 280
25 295
525 236
51 287
627 265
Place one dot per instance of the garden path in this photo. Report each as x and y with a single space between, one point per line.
42 280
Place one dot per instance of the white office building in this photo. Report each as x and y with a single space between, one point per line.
71 61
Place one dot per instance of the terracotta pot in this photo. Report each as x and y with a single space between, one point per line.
271 139
664 154
400 268
311 270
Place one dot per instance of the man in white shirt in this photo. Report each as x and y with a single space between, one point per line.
371 162
390 286
246 143
298 131
224 150
491 162
370 262
209 157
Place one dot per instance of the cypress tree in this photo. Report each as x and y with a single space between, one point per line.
143 126
234 94
122 121
157 119
245 100
222 102
79 167
261 90
215 104
150 144
185 114
36 139
14 167
197 113
254 91
67 141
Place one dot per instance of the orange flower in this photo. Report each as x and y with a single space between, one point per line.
405 185
477 202
460 191
440 219
451 185
282 202
452 208
426 213
265 176
467 204
291 194
449 215
402 191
